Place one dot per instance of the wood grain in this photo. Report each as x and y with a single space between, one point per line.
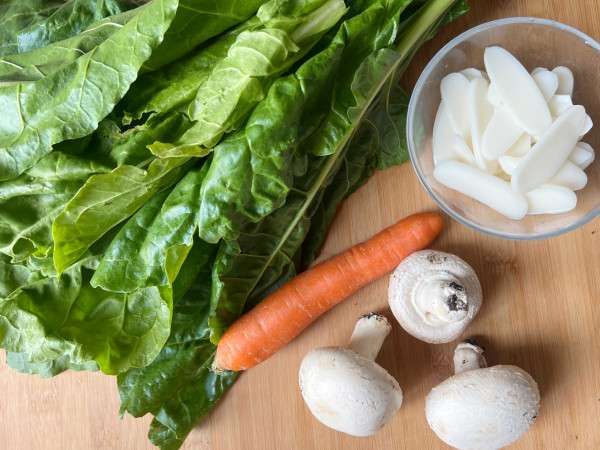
541 312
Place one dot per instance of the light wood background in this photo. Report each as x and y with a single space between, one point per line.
541 312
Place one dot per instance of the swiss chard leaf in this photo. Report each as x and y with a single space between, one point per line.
239 81
352 103
59 322
130 147
85 219
13 276
17 15
30 202
80 94
21 363
265 254
158 93
29 24
151 247
197 21
381 142
44 61
252 171
378 144
105 201
178 387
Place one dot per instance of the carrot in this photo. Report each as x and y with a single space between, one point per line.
284 314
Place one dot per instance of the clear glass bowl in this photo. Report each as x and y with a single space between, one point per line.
536 43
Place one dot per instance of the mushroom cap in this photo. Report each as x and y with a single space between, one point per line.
483 409
407 277
348 392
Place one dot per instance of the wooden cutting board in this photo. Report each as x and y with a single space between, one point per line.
541 312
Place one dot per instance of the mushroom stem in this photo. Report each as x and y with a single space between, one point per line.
440 298
369 333
468 356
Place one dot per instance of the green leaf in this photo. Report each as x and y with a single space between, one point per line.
105 201
66 318
29 24
238 82
130 146
175 86
151 247
84 220
87 210
30 202
252 171
47 369
79 94
18 15
178 416
197 21
13 276
379 143
387 121
44 61
178 387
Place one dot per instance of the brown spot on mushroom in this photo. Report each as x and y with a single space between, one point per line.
436 258
456 304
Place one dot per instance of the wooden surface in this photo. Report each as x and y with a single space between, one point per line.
541 312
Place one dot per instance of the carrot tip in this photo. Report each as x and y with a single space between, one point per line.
216 369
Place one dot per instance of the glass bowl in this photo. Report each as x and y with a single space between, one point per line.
536 43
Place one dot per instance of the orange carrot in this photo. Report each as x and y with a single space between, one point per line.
284 314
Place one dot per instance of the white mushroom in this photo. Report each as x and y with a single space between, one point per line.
434 295
344 388
482 408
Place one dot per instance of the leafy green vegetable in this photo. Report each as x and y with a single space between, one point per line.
80 94
179 387
252 171
44 61
65 318
238 82
85 218
17 15
378 144
104 202
29 24
196 22
30 202
151 247
130 147
13 276
158 93
21 363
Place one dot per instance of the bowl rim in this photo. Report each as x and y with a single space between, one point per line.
587 40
